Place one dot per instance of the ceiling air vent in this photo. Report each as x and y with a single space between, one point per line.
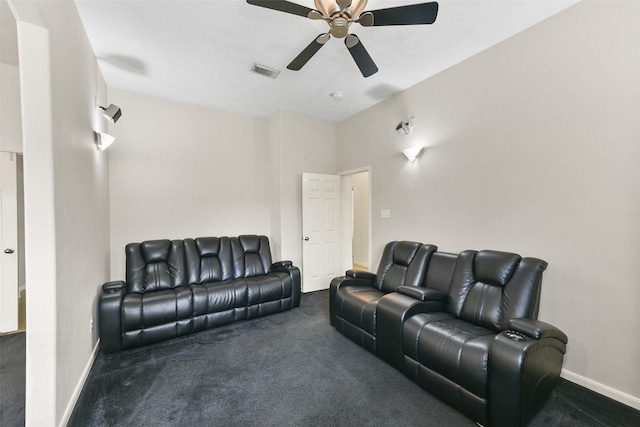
265 71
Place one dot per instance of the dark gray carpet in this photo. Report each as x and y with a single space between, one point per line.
288 369
12 379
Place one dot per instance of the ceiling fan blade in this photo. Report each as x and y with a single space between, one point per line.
360 55
282 6
413 14
308 52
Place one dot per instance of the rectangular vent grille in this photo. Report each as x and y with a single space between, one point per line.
265 71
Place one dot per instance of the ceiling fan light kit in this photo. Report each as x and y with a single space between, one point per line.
340 14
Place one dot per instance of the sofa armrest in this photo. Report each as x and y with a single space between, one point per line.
279 264
422 294
294 274
109 315
525 364
113 286
358 274
536 329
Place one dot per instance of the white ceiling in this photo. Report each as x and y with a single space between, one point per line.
200 52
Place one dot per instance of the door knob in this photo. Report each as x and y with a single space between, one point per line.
306 239
8 251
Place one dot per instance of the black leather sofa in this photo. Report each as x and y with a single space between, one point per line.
467 332
178 287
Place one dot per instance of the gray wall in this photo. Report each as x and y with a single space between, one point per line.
532 148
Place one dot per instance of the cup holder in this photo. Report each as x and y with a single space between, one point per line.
515 336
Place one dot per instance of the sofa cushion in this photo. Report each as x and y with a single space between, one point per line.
208 259
453 348
251 255
155 316
490 287
141 311
268 294
402 263
357 305
219 303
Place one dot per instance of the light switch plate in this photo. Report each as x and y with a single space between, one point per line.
385 213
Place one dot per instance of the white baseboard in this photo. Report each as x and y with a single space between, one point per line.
79 386
307 289
605 390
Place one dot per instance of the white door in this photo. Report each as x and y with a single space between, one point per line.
320 230
8 243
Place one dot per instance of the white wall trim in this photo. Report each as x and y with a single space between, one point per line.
357 170
76 392
605 390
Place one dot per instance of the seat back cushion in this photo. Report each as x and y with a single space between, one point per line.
402 263
208 259
491 287
440 271
251 255
155 265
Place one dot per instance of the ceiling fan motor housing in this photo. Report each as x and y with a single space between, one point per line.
339 27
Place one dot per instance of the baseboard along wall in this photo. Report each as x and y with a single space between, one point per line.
602 389
76 392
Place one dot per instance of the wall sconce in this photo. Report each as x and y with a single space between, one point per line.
413 154
404 128
103 140
111 113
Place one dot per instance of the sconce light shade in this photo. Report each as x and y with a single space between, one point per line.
111 113
103 140
413 154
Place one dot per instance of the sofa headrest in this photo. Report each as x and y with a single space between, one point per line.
404 252
495 268
155 250
155 265
208 246
250 243
402 264
251 255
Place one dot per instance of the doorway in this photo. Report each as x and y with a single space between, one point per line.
12 267
356 219
361 220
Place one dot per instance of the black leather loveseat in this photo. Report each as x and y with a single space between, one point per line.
174 288
464 329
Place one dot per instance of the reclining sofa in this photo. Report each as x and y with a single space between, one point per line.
178 287
462 326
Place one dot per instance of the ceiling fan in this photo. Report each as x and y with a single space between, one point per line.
340 14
